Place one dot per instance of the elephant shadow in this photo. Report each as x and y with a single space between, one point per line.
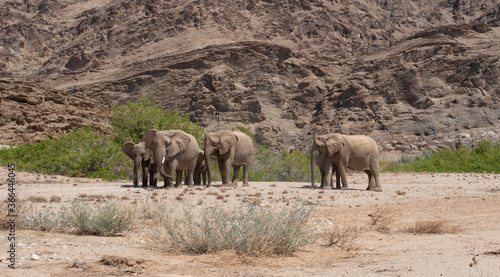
308 187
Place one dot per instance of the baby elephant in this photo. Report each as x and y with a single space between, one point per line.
141 156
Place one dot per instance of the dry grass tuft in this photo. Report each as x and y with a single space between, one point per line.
438 226
37 199
55 199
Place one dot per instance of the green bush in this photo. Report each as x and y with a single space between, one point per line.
132 120
291 167
484 158
81 153
246 230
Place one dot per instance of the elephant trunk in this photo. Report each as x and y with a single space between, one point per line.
314 156
207 154
159 158
137 163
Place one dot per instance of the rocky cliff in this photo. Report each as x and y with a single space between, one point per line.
412 74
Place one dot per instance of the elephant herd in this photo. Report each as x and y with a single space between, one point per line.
174 152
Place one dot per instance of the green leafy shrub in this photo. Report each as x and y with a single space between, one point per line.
102 219
292 167
484 158
77 154
246 230
132 120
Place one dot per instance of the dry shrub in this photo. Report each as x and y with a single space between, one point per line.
55 199
438 226
37 199
247 230
383 219
104 219
120 261
21 209
344 238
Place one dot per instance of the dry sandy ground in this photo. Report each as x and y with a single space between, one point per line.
470 204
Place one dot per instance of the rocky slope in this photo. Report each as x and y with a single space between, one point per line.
413 74
30 113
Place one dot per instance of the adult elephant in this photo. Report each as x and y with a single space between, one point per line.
142 157
356 152
327 168
232 148
173 151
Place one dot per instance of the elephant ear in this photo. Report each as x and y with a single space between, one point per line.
180 141
147 154
227 140
149 138
333 145
128 148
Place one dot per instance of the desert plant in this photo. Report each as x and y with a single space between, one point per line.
438 226
21 209
344 238
102 219
247 230
47 220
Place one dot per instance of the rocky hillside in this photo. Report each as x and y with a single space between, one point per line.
30 113
413 74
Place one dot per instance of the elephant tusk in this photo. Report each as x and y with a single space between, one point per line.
162 161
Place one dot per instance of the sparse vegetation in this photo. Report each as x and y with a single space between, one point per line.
438 226
344 238
247 230
102 219
484 158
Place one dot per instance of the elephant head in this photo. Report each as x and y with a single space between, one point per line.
220 144
166 145
326 146
139 154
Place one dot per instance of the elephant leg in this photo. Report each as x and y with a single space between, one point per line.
370 180
169 182
178 178
224 166
246 168
236 172
188 181
322 173
196 178
328 176
375 172
153 178
343 176
337 177
204 174
145 171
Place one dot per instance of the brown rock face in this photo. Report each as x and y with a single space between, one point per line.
413 75
30 113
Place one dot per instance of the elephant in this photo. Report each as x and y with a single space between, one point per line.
142 156
232 148
200 170
174 151
326 168
356 152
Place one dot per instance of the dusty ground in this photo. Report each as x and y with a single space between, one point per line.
469 202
